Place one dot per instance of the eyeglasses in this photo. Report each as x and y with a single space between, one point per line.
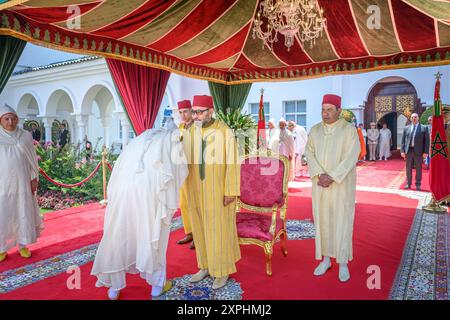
199 112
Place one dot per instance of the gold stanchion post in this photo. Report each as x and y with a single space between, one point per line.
104 162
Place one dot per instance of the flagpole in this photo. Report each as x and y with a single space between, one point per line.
261 134
434 206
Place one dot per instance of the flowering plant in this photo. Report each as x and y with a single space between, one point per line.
68 166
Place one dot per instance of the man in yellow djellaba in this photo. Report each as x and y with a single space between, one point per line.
216 172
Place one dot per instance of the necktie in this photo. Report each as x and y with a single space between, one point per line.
412 136
202 160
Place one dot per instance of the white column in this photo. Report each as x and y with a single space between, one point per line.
82 121
125 131
74 128
73 131
106 123
21 122
48 123
125 124
359 114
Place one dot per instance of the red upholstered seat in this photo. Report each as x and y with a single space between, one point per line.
256 226
262 204
262 182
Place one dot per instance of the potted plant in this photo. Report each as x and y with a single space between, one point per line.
243 126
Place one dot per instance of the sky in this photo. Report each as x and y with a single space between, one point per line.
34 56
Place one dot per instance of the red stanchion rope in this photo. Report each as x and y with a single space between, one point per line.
64 185
109 167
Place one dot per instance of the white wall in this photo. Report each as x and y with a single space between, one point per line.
277 92
353 89
77 79
182 88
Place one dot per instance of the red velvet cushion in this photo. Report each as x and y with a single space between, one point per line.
256 226
262 182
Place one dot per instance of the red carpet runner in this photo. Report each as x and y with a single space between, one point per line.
388 174
382 223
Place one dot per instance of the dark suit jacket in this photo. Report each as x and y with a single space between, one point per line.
63 137
36 135
421 140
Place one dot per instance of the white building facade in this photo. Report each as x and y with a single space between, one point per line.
81 93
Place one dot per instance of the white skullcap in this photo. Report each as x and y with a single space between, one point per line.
282 120
272 120
6 109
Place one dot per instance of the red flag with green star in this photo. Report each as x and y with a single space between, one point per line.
439 164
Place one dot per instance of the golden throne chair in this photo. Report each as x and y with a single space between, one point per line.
262 204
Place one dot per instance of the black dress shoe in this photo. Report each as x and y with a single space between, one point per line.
407 186
418 188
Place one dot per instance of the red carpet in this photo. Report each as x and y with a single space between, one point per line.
379 236
425 180
380 174
64 231
390 174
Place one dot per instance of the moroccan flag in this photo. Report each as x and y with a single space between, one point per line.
439 165
261 124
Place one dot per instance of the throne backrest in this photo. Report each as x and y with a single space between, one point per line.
263 181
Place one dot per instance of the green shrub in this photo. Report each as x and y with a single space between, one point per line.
69 166
424 116
243 126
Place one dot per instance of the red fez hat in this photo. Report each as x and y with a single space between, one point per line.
185 104
203 101
332 99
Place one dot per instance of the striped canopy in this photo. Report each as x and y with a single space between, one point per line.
212 40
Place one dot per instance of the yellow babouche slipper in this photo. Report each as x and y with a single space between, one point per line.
167 286
3 256
25 253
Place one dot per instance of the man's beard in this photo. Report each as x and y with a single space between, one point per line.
201 123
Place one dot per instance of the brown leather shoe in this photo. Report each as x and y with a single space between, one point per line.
188 238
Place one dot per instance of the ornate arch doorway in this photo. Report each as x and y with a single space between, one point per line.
392 100
396 123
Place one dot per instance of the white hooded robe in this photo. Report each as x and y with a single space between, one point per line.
20 221
143 195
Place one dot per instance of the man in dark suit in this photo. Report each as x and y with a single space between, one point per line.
63 135
35 133
415 147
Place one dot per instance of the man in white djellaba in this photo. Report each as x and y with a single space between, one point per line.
300 138
332 152
143 194
272 134
287 146
20 222
385 142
